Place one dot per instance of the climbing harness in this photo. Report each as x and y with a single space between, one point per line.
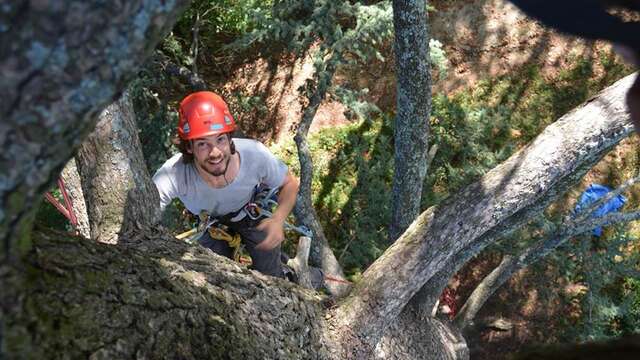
262 207
216 230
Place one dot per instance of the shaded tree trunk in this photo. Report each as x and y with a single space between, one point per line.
74 189
411 127
61 63
153 297
118 189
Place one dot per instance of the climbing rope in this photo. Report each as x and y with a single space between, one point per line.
67 209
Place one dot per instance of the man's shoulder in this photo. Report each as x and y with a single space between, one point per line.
250 146
173 164
246 143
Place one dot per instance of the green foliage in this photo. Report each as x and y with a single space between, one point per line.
337 33
219 22
48 216
156 121
475 130
438 58
609 269
351 178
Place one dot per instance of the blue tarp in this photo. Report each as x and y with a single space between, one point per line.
592 194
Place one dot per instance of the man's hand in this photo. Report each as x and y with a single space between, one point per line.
274 228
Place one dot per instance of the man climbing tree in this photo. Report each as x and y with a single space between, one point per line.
218 175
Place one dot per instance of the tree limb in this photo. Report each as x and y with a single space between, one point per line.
581 136
304 210
512 264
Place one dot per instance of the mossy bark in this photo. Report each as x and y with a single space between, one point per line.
152 296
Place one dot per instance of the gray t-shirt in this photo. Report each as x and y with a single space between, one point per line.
258 165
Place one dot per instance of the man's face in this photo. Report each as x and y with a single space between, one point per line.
212 153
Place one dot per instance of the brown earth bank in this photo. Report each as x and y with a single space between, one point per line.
482 39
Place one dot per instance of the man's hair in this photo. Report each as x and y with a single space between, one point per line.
184 145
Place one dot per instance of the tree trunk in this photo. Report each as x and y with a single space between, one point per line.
321 253
61 63
73 186
411 127
117 186
433 240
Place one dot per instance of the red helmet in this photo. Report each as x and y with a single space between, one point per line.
202 114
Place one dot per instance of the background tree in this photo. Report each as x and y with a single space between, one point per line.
413 104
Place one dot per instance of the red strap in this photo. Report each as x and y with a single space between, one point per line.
67 208
330 278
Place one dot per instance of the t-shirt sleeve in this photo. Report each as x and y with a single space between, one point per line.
166 187
274 170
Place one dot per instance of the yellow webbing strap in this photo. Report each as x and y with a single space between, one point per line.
234 241
186 234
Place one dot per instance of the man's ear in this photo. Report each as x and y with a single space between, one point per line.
232 146
189 147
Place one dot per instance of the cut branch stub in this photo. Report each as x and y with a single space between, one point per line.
300 263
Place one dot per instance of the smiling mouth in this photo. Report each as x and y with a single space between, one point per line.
216 161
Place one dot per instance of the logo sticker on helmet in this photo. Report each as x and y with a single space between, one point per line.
216 126
227 120
186 128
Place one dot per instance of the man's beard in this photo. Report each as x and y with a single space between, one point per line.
219 172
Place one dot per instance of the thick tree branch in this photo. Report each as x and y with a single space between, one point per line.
61 63
582 136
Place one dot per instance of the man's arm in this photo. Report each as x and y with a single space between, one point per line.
274 226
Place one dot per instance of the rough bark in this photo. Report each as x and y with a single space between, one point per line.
582 136
304 211
413 104
154 297
61 63
74 189
117 187
412 337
